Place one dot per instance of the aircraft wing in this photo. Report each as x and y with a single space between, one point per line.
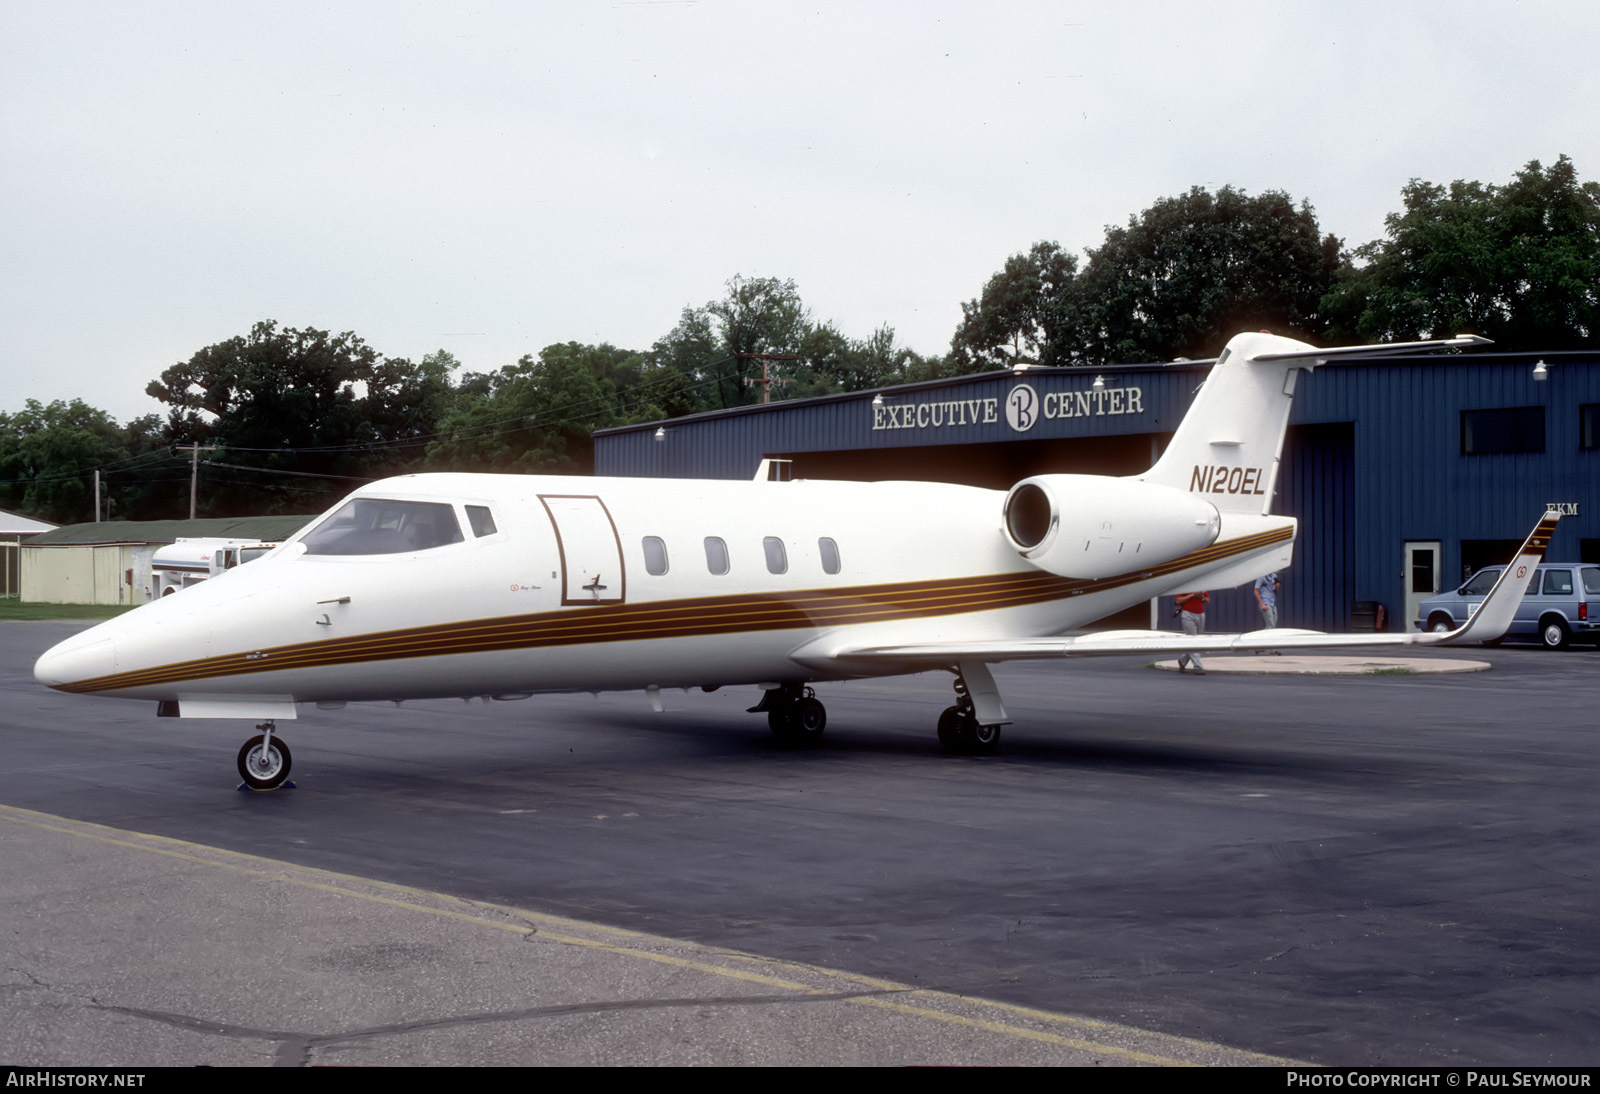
1489 622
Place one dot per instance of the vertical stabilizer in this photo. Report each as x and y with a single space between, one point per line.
1228 446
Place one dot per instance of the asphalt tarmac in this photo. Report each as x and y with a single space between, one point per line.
1393 869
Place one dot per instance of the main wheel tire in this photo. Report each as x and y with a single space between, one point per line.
808 719
984 738
264 768
1553 633
778 721
951 729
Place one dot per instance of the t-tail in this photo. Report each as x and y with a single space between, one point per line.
1229 446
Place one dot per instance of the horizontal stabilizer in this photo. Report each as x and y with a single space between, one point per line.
1378 350
1488 623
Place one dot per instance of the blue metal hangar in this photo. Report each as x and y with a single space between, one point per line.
1407 473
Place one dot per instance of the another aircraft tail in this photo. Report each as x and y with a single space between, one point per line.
1230 443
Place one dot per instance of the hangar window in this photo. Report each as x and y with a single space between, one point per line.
381 526
830 555
1517 429
716 555
777 559
482 520
655 556
1589 427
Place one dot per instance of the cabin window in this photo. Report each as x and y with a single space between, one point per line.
482 520
1558 583
830 555
655 556
380 526
777 559
716 555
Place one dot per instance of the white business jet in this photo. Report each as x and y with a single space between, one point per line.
501 586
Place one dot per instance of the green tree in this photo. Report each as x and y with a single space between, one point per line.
1020 308
1518 263
710 344
301 404
538 413
1191 271
48 454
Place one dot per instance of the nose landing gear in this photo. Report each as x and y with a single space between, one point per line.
264 760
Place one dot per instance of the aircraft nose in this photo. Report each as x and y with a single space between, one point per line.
82 657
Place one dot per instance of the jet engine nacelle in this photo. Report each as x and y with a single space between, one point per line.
1090 526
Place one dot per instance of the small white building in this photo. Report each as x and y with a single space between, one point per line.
108 562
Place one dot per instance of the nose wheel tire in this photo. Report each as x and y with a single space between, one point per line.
264 766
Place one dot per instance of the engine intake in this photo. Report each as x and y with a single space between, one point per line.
1090 526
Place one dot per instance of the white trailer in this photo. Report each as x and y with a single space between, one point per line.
193 560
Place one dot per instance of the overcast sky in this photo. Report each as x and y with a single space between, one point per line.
489 178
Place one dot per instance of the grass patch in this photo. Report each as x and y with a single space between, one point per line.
1392 670
12 610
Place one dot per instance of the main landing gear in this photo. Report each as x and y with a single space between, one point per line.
794 713
973 724
264 760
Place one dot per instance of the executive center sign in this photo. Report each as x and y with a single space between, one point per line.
1023 408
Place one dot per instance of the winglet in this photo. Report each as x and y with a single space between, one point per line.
1494 615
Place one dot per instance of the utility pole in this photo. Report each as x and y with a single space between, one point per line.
767 379
194 472
97 495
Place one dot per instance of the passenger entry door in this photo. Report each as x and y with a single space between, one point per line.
591 553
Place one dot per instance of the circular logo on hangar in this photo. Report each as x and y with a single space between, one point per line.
1022 408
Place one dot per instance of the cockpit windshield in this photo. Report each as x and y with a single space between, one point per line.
380 526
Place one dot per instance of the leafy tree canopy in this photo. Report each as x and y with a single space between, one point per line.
47 457
1020 309
537 414
304 402
1518 263
1191 271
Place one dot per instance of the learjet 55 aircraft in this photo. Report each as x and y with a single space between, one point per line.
502 586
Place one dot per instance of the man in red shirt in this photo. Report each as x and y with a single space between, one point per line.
1192 613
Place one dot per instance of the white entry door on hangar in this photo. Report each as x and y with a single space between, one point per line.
1423 558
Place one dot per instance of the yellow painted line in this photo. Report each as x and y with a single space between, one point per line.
633 944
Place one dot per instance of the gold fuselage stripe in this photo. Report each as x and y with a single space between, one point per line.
691 618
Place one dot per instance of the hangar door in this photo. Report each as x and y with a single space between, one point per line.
591 554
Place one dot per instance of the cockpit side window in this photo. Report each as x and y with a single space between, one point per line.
482 520
380 526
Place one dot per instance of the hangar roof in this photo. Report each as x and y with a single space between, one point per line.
269 529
